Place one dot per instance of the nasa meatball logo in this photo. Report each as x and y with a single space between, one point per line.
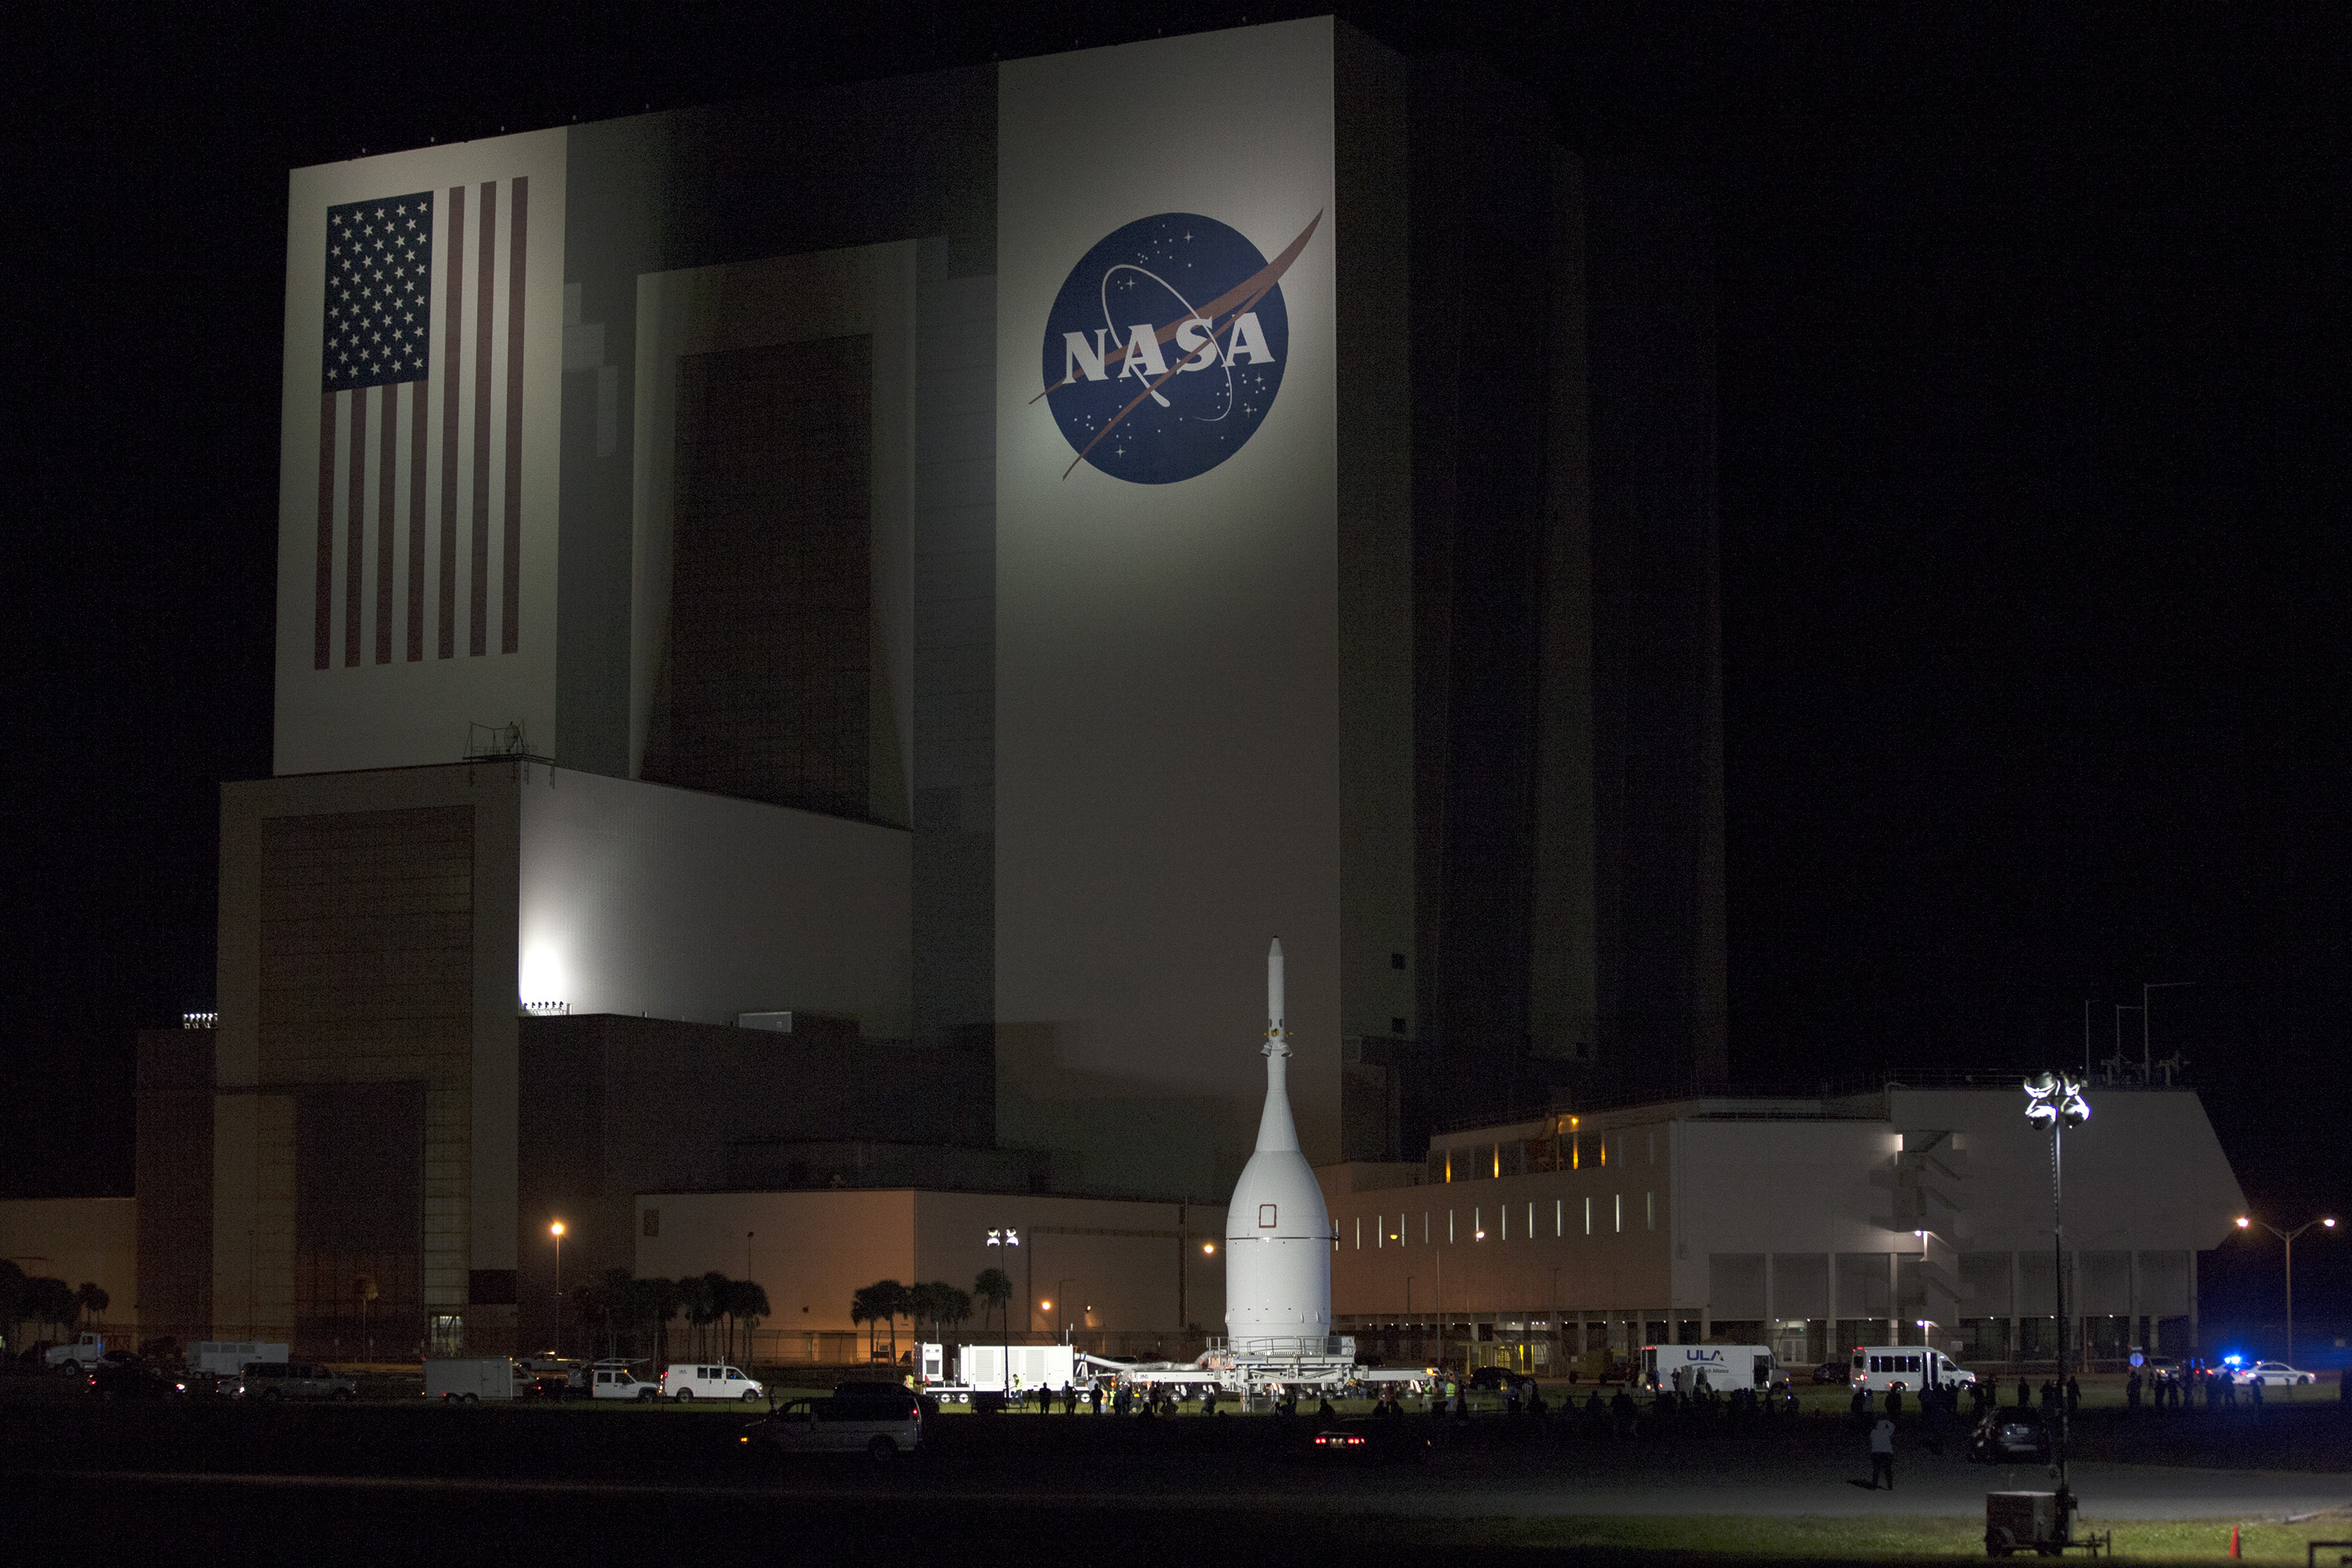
1164 350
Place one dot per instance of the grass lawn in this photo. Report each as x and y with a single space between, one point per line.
1886 1539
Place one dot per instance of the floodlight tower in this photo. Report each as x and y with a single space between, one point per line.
2057 1100
2246 1222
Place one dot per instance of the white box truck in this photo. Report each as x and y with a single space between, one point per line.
982 1369
467 1379
1724 1367
229 1358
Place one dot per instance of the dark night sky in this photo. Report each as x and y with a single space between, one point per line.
2033 429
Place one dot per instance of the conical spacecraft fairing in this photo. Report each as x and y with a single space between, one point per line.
1277 1231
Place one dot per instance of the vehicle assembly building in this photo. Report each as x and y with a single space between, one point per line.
945 565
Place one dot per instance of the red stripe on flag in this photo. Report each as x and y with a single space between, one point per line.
416 391
386 461
453 341
511 568
480 587
323 650
355 528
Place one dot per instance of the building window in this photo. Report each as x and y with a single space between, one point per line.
652 1221
1619 1200
1654 1145
1560 1216
1396 1026
1396 961
1449 1225
1359 1232
1650 1201
1531 1220
1588 1216
1424 1227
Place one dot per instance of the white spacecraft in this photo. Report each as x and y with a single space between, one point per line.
1277 1232
1279 1245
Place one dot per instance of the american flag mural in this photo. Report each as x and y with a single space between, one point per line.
388 366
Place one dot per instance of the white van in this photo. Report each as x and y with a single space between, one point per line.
706 1381
879 1419
1910 1367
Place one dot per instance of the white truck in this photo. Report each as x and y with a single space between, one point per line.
1012 1371
229 1358
83 1351
1724 1367
619 1380
463 1379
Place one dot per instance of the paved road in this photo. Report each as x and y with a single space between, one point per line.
1448 1486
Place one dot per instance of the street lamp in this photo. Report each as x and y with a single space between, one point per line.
555 1229
2246 1222
2056 1100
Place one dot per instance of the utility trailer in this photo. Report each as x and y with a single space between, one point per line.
463 1379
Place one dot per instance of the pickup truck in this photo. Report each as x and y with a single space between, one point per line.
83 1352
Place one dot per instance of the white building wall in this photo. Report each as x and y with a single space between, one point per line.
639 898
2146 1173
1811 1187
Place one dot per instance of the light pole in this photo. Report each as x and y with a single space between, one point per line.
555 1229
1009 1236
2246 1222
2057 1100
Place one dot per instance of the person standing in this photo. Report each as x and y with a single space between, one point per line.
2024 1392
1882 1454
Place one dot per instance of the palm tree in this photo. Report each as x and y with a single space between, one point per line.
994 1287
861 1311
703 1299
940 1304
92 1300
955 1306
664 1300
895 1301
13 1301
747 1301
53 1303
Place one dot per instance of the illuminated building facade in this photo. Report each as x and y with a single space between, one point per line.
960 560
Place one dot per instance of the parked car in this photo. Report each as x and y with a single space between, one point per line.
2271 1375
2011 1435
882 1420
2163 1369
1832 1372
684 1383
275 1380
128 1377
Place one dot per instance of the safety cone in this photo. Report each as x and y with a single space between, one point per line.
2233 1540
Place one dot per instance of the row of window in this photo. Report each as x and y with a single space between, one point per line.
1601 1215
1564 1148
